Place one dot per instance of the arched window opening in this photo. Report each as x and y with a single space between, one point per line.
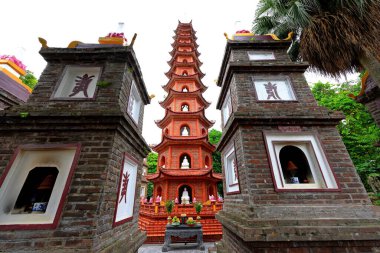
184 73
211 193
185 194
185 161
36 191
295 166
162 162
166 131
185 107
184 61
185 131
185 89
207 162
159 191
203 131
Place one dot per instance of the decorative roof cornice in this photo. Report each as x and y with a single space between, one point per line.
177 44
175 50
175 78
191 36
193 94
178 53
183 141
183 64
200 114
178 173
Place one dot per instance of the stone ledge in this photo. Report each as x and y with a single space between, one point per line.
303 229
128 245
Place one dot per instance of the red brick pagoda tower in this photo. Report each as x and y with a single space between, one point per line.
184 171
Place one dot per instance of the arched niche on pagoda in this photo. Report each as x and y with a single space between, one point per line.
189 190
159 191
203 131
185 161
162 161
184 130
185 88
210 190
185 107
207 161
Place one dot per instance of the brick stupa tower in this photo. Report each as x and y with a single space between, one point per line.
290 185
71 158
184 154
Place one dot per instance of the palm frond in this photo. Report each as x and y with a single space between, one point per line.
333 43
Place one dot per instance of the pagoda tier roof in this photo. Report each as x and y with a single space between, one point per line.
169 114
184 141
192 44
185 26
190 94
185 173
184 29
178 53
174 78
181 36
175 50
183 64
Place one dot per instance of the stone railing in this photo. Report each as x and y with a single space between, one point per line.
160 210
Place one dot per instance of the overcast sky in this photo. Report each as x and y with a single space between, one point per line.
61 22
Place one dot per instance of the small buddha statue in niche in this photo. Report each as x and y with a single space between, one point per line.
185 131
185 108
185 163
185 199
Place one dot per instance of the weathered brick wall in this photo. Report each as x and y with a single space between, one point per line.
76 226
106 234
374 108
244 98
261 219
104 130
242 55
234 244
87 217
257 186
118 74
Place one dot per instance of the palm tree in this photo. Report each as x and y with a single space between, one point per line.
334 36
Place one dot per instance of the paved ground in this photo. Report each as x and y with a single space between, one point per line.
178 248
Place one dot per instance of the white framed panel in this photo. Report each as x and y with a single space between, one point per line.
226 109
261 55
231 171
317 173
61 157
78 82
276 88
126 191
134 103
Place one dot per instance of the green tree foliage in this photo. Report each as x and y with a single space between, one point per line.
152 168
152 162
214 137
29 79
359 131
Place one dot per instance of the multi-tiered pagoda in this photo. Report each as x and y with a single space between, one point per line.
184 171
